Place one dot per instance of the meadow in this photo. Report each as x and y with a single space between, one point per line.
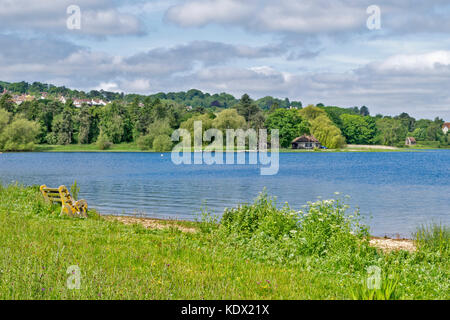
255 251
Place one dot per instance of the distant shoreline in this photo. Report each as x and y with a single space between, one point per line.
130 147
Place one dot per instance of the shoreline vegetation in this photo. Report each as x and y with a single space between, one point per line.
46 116
132 147
255 251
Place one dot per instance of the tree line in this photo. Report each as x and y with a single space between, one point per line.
149 121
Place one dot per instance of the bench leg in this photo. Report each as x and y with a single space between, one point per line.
81 208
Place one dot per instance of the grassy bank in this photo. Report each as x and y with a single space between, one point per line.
256 252
132 147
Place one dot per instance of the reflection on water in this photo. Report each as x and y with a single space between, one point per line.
399 190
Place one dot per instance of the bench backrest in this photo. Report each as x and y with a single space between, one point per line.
50 194
60 195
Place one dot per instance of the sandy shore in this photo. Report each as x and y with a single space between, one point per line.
360 146
385 244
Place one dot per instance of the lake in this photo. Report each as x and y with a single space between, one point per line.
396 191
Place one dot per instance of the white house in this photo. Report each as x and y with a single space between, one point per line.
446 127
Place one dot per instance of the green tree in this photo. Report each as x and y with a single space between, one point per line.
113 122
229 119
207 123
289 123
391 132
327 133
247 107
85 121
19 135
322 127
4 119
156 129
63 128
103 141
7 103
162 143
358 130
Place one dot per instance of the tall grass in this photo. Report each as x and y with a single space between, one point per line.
257 251
434 237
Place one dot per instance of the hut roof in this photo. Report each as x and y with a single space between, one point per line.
306 138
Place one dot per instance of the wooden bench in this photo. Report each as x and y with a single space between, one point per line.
68 205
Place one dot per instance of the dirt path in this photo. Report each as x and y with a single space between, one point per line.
150 223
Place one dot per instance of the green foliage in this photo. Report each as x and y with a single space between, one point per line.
289 123
322 229
63 128
248 108
311 112
103 141
132 262
388 291
207 123
129 117
145 143
6 103
113 122
327 133
391 132
162 143
4 119
19 135
434 238
269 103
229 119
358 130
75 190
322 127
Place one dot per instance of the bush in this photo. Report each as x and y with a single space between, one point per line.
103 142
51 138
145 142
162 143
284 235
19 135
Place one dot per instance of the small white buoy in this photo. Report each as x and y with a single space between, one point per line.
162 155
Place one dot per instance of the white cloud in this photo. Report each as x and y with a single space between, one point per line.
417 84
98 17
430 61
313 16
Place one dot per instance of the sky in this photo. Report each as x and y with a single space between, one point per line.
391 56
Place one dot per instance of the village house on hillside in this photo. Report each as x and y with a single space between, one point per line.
446 127
306 142
410 141
79 102
22 98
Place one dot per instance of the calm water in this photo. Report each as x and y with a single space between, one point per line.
399 190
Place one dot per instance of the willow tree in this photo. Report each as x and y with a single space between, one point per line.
323 128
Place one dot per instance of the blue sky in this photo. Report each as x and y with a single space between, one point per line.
308 50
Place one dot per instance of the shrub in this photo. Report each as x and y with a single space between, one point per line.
19 135
284 235
145 142
162 143
103 142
